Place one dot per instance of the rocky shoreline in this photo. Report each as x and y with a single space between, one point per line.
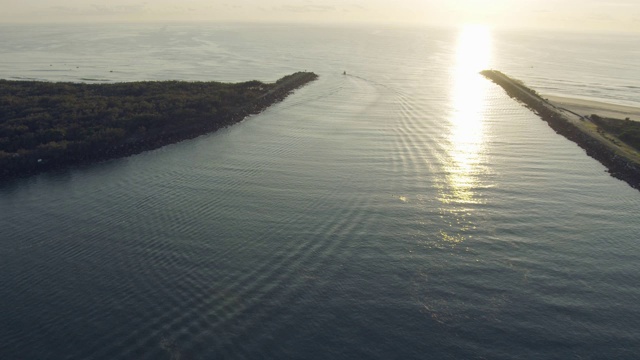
621 163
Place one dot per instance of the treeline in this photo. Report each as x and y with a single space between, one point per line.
627 130
45 125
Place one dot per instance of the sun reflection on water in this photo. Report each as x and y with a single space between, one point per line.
468 104
466 149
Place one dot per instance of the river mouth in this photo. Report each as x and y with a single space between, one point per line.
390 212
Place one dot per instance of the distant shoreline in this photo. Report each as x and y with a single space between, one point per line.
566 118
46 126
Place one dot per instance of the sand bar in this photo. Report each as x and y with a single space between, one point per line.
588 107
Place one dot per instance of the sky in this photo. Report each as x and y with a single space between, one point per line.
573 15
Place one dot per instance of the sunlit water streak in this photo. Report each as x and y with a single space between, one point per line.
469 97
409 209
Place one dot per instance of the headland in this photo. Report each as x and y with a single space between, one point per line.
48 125
613 142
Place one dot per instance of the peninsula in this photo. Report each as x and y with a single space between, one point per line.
47 125
613 142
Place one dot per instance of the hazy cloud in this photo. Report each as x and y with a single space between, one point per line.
64 9
308 8
620 15
99 10
601 17
120 9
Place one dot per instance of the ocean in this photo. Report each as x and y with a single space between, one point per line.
406 209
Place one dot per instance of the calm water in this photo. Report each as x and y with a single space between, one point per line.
407 210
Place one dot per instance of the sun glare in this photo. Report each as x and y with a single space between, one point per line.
468 106
473 49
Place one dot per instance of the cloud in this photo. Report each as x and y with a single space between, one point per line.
601 17
99 10
309 8
64 10
120 9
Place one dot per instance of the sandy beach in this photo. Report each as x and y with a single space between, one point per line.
588 107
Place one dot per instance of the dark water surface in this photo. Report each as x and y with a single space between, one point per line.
407 210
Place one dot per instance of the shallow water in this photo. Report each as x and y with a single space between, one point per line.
409 209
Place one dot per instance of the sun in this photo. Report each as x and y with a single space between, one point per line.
473 49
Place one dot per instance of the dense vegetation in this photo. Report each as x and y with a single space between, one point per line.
45 125
625 130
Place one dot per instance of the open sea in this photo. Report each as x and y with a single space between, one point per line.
406 210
